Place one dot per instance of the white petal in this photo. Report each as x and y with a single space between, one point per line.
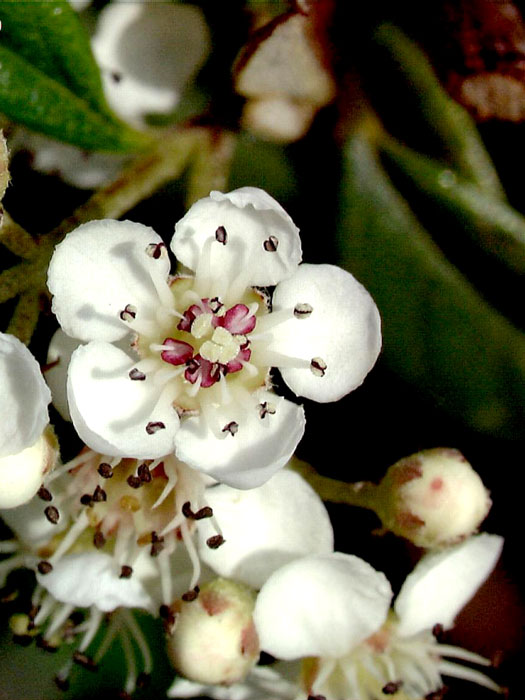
250 217
442 583
262 683
61 347
258 449
110 411
321 605
21 475
92 578
265 528
148 52
344 330
24 397
100 268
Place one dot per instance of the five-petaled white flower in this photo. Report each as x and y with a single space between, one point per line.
26 453
196 378
351 646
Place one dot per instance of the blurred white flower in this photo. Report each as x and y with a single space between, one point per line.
196 378
26 451
350 644
147 52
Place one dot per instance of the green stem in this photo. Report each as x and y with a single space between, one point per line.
17 239
141 179
447 118
24 320
361 493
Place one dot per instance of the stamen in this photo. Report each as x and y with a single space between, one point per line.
232 427
265 409
129 313
318 366
131 679
105 470
134 481
155 250
165 577
125 571
271 244
44 567
190 596
99 495
136 375
392 687
95 619
58 619
215 541
9 546
221 236
302 310
448 668
71 537
144 473
140 640
153 426
99 540
44 494
192 552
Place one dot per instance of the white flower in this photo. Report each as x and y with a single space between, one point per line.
147 53
196 377
26 453
351 646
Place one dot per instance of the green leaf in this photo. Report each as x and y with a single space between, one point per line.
494 225
49 80
439 333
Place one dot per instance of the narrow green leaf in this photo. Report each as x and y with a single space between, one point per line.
494 225
446 118
30 97
439 334
50 36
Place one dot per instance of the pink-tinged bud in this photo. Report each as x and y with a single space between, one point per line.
214 640
433 498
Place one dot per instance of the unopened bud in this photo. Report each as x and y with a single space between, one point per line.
214 640
22 474
433 498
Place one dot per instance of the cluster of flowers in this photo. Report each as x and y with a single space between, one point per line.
180 504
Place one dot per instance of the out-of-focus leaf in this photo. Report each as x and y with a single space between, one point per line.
50 36
439 333
452 124
494 225
50 82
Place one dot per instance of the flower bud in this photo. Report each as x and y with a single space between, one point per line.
433 498
22 474
214 641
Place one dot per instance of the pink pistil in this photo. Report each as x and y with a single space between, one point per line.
235 365
208 372
237 320
177 351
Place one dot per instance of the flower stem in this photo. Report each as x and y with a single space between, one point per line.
361 493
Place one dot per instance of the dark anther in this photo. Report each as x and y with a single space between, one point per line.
186 510
99 540
86 499
189 596
61 683
99 495
205 512
232 427
136 375
437 631
23 640
52 514
84 660
215 541
44 494
129 313
105 470
302 310
125 571
215 304
270 244
144 474
154 250
153 426
266 409
437 695
391 688
44 567
116 77
134 481
157 544
316 697
143 680
221 236
318 366
42 643
165 612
